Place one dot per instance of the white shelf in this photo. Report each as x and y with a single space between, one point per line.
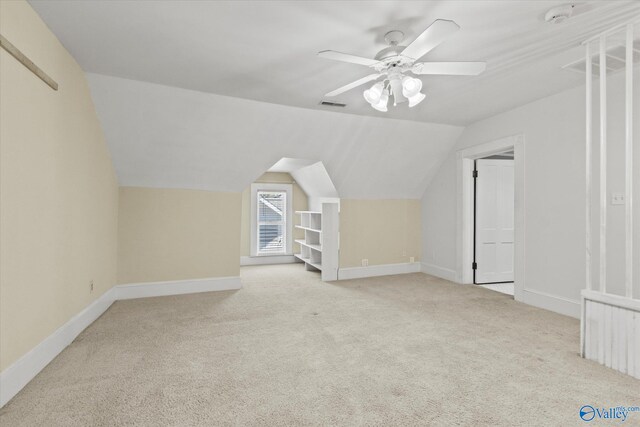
315 247
308 261
319 248
301 258
308 229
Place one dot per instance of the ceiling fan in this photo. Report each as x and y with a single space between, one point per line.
395 61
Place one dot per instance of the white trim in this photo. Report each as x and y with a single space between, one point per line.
608 333
177 287
588 166
378 270
561 305
16 376
266 186
329 241
628 168
441 272
608 31
603 164
583 324
610 299
464 229
265 260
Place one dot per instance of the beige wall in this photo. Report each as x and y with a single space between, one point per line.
170 234
300 203
64 223
382 231
58 190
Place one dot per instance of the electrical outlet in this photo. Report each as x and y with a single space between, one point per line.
365 262
412 259
91 286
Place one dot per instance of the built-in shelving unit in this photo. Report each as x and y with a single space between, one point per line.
319 248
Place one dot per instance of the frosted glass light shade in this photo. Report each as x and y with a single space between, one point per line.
416 99
411 86
373 95
381 105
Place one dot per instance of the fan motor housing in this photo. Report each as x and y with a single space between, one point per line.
389 52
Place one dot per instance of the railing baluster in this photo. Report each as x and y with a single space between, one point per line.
629 164
588 165
603 163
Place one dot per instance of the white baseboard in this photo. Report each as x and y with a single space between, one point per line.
561 305
441 272
177 287
265 260
16 376
378 270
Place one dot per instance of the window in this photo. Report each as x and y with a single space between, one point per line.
272 222
271 227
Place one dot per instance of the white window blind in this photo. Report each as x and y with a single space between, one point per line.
271 222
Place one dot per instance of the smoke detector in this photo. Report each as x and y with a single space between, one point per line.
559 14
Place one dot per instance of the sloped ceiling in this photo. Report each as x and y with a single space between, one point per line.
266 50
312 176
288 165
315 181
221 90
162 136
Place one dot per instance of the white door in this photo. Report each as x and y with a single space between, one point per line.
494 221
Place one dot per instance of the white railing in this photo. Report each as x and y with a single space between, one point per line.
610 323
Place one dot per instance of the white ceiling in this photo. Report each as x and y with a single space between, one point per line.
288 165
315 181
167 137
310 175
266 50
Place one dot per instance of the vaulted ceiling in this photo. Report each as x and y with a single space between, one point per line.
161 136
210 94
266 50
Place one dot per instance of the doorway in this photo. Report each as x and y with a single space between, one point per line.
493 222
465 230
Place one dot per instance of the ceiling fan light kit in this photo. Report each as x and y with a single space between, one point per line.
416 99
381 105
373 95
411 88
396 61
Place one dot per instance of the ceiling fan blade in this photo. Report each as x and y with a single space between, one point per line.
353 84
449 68
345 57
430 38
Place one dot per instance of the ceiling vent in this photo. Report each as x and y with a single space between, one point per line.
615 60
332 104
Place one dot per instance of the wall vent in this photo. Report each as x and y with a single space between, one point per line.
615 60
332 104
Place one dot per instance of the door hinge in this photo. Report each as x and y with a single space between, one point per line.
474 265
475 174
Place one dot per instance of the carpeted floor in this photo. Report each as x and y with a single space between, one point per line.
289 349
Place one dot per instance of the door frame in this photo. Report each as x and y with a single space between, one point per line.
464 246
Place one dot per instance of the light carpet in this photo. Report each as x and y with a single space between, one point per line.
288 349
